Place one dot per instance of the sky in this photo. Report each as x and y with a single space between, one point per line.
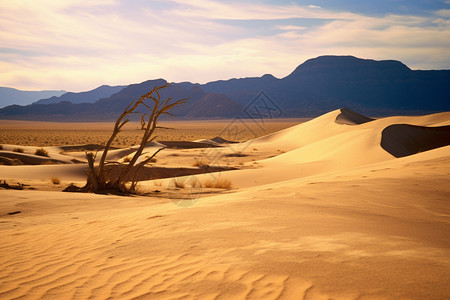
77 45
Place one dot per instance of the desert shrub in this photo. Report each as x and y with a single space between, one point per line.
18 150
97 175
179 184
55 180
200 163
218 183
41 152
196 184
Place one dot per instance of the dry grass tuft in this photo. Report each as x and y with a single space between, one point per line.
179 184
41 152
196 184
55 180
200 163
218 183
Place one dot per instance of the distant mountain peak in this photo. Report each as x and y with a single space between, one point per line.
348 63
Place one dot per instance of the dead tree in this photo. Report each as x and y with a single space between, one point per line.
97 177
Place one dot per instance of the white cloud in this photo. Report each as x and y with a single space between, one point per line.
76 45
247 10
291 28
443 13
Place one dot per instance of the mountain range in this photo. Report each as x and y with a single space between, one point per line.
83 97
10 96
318 85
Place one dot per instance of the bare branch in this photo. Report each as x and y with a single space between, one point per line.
97 178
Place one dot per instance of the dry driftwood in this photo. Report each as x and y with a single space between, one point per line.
97 179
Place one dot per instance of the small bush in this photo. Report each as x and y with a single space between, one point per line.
200 163
196 185
55 180
218 183
18 150
179 184
41 152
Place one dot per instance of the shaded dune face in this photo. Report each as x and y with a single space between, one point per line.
403 139
13 158
349 117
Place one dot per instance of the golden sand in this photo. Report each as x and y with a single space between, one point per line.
315 211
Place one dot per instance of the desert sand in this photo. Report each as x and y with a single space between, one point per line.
340 207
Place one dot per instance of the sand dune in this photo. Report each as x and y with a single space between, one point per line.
340 207
349 117
29 159
403 139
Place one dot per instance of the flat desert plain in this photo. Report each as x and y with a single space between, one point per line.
338 207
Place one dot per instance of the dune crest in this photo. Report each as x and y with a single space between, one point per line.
349 117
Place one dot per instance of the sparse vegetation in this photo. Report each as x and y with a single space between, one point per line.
41 152
179 184
218 183
55 180
196 183
98 180
18 150
7 186
200 163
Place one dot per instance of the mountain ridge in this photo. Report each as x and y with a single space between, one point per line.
91 96
11 96
316 86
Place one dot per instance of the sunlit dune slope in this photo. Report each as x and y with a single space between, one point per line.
336 216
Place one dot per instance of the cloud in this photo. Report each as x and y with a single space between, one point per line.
291 28
443 13
76 45
250 10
